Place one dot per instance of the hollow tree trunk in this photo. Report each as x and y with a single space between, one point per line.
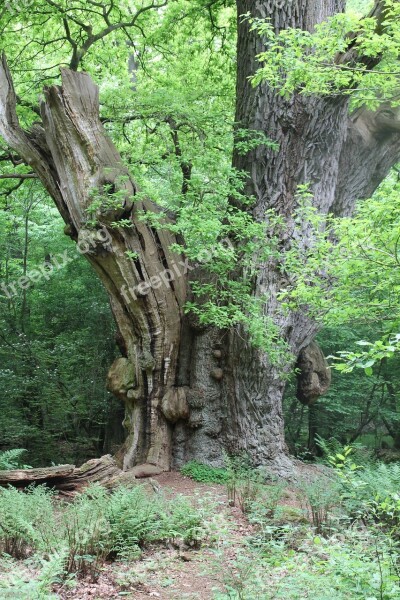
189 392
80 167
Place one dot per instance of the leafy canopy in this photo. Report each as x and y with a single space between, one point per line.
345 55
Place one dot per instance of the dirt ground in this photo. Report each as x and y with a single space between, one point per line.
173 572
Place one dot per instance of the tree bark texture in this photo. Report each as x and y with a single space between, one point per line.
343 157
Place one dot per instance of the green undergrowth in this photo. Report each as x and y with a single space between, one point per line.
204 473
61 541
341 540
12 459
297 564
332 534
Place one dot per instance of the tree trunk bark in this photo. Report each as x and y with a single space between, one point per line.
342 157
234 396
146 282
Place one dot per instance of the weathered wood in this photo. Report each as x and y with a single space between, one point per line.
98 470
27 476
76 161
65 478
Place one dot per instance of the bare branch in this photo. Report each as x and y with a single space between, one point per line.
388 120
19 176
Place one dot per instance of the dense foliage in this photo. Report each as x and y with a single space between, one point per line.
56 340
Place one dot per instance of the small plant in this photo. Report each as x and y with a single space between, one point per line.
107 199
204 473
32 579
134 519
343 461
385 511
244 579
264 507
244 483
11 459
319 498
87 533
27 522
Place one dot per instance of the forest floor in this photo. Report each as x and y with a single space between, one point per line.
296 542
174 572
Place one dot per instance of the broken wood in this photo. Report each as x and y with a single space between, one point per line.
65 478
98 470
27 476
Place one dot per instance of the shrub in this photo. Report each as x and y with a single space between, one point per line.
87 532
268 500
204 473
385 511
319 498
27 521
243 482
11 459
370 492
137 518
134 519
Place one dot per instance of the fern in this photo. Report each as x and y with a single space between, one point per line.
11 459
381 478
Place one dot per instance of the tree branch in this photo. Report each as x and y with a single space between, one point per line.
371 148
372 145
92 39
388 119
19 176
351 54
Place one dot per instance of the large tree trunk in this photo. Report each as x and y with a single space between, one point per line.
81 168
342 157
192 393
